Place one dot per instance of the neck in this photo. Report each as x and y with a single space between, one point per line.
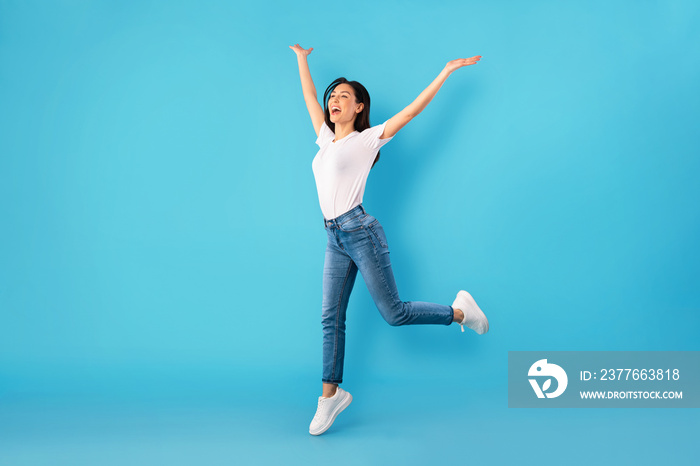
343 129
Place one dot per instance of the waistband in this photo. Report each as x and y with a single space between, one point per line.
352 213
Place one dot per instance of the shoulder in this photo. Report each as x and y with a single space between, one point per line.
325 135
371 136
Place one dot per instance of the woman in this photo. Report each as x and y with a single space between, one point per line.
349 147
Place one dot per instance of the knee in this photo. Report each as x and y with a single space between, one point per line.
327 320
329 316
333 318
395 315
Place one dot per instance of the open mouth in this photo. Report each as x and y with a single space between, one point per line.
335 110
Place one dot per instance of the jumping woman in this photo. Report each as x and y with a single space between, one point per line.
349 148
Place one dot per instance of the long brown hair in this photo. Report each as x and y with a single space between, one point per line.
361 96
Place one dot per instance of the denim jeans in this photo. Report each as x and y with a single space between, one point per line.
356 241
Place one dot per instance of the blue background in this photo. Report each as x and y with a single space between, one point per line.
161 247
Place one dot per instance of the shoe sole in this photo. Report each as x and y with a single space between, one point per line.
338 409
481 314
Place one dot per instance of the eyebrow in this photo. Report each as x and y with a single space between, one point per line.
340 92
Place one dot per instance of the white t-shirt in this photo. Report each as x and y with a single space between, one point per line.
341 168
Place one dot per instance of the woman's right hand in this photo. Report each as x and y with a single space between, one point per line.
300 51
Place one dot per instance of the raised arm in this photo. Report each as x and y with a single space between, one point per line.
400 120
307 86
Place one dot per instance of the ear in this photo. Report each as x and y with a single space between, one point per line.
359 107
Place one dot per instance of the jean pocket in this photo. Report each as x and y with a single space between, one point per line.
378 232
353 224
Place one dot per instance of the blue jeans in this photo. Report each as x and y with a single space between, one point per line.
356 241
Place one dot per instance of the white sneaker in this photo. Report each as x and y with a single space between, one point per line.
474 318
328 409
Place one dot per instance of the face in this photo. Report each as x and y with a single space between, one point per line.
342 104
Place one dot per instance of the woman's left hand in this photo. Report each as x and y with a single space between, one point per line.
460 62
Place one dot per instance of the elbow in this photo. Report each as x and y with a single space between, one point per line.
410 113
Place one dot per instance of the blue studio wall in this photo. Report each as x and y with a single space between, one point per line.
161 233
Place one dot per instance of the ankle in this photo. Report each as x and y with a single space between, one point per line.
458 315
329 390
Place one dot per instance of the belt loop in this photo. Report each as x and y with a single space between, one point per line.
363 209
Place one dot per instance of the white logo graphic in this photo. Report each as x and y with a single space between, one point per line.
542 369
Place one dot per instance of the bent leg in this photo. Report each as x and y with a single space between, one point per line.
371 253
339 273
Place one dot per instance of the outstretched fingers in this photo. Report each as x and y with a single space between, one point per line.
298 49
460 62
